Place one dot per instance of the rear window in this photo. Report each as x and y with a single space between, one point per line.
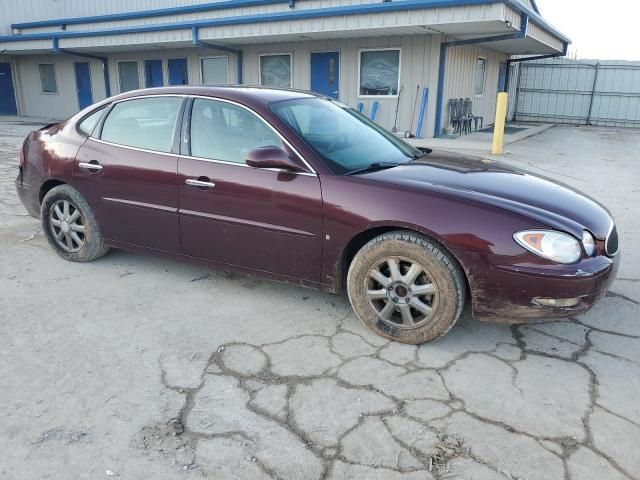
146 123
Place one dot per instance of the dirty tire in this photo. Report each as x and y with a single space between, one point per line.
93 246
440 269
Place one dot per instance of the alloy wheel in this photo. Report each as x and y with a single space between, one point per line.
67 226
401 292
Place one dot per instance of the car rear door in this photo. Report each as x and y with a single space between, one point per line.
265 220
128 171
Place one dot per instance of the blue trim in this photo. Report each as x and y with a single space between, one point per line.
423 106
374 110
216 46
400 5
360 107
157 12
104 60
524 26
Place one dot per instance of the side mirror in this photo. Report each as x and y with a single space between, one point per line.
271 157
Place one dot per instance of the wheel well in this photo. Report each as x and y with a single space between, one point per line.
363 238
46 186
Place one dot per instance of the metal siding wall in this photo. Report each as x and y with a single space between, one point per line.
560 91
64 103
419 57
459 77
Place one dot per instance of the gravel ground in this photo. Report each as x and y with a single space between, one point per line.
139 367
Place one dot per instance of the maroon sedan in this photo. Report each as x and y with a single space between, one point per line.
306 190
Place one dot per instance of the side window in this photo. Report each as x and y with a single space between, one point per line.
89 123
143 123
223 131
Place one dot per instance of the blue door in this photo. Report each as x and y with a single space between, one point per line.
7 94
153 73
325 73
178 71
83 84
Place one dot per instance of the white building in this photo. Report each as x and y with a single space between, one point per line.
57 56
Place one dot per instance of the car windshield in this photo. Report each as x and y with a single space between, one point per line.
346 140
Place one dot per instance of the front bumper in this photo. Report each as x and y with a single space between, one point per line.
504 290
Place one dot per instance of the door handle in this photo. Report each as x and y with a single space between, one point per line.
90 165
199 183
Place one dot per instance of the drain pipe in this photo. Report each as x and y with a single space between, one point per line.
104 60
238 53
524 23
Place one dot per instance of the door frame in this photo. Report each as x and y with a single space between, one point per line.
339 52
75 74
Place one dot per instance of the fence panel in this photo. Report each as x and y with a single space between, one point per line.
574 92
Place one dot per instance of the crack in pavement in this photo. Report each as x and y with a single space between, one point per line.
307 366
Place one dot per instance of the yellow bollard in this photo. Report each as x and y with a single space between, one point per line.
498 126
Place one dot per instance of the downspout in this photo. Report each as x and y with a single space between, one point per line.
524 23
104 60
238 53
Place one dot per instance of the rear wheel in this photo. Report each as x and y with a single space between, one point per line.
406 288
69 225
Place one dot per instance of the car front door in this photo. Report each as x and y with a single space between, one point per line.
258 219
129 173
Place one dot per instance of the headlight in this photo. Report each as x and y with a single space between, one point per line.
555 246
589 243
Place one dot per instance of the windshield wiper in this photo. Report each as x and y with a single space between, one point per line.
423 151
373 167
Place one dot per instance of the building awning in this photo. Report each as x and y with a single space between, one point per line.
509 25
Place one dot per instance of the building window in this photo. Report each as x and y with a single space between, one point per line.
48 82
275 70
146 123
478 79
379 72
128 74
215 70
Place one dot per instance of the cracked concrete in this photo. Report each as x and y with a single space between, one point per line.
131 367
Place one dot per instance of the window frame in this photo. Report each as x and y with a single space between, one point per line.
484 76
204 57
177 127
275 54
132 60
185 137
399 50
55 78
97 127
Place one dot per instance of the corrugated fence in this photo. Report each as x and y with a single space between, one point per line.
604 93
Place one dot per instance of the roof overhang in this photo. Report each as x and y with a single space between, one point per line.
455 19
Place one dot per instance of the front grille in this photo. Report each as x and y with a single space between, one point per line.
611 244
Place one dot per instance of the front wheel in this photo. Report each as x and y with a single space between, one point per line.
69 225
406 288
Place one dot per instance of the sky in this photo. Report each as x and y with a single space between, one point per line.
599 29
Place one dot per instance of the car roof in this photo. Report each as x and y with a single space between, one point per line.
239 93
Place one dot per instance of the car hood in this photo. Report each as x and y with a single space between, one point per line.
552 203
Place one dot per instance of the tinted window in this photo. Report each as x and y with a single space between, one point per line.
215 70
89 123
223 131
143 123
478 79
345 139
